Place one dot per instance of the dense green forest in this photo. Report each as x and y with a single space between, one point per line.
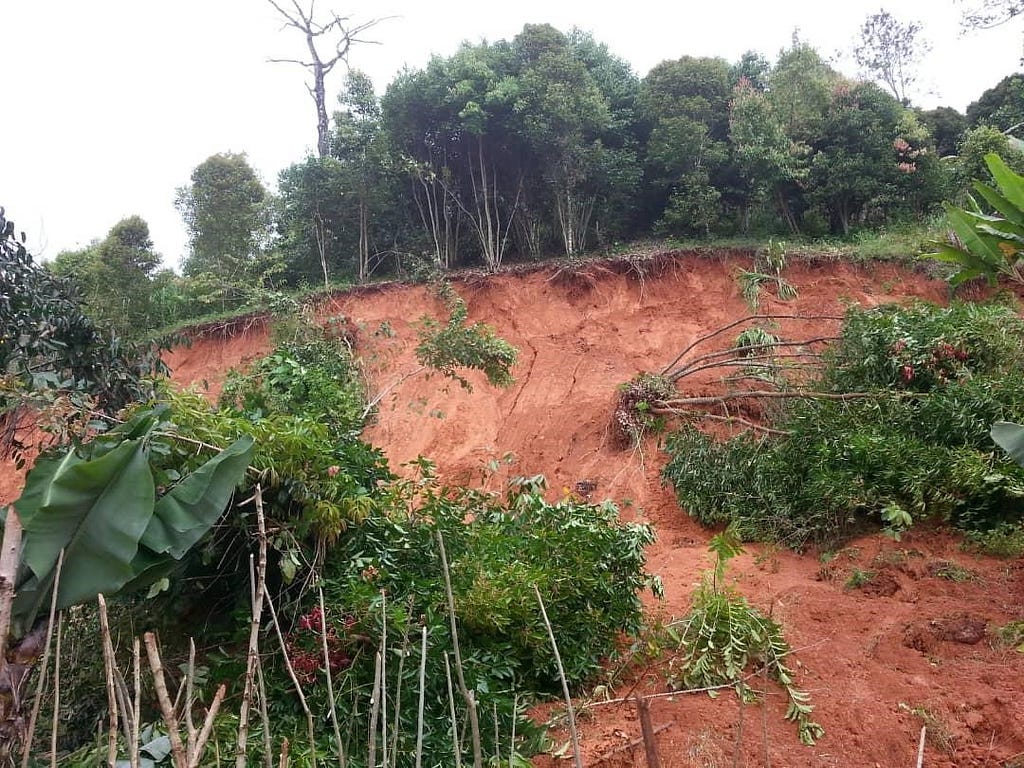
545 145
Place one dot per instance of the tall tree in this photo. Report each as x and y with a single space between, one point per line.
687 105
947 126
116 277
765 158
224 213
360 144
800 89
563 113
339 35
312 214
889 51
1001 106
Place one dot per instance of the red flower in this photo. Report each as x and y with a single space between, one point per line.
907 373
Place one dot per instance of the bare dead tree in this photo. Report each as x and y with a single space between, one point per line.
339 34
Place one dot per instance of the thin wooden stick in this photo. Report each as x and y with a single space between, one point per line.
747 319
422 701
725 419
342 760
643 707
204 734
474 722
257 579
133 739
396 722
512 744
294 678
268 747
56 692
920 747
565 683
178 756
190 727
374 712
451 711
770 394
37 703
384 679
108 670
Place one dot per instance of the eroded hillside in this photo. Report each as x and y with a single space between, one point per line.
878 663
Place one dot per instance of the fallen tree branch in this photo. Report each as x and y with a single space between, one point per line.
776 395
744 352
726 419
748 319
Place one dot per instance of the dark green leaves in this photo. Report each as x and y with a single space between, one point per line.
98 504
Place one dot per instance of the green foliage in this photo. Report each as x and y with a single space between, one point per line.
50 348
98 504
118 278
587 566
314 376
447 348
223 212
988 245
723 638
1005 540
919 447
768 266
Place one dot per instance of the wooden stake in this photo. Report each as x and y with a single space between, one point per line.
565 683
108 671
474 720
423 691
643 708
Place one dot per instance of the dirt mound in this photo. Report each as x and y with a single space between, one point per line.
878 661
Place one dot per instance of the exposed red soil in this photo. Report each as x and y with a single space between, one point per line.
904 648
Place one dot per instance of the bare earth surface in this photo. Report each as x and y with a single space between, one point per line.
910 648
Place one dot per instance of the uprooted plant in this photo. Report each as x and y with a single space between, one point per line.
724 640
892 427
757 364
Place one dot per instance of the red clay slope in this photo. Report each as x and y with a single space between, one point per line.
878 662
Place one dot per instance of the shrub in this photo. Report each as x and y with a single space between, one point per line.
918 447
723 637
587 566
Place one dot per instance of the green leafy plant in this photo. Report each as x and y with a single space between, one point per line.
447 348
53 355
385 578
988 245
909 447
768 266
723 639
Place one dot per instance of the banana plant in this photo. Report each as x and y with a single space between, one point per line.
98 504
989 245
1010 437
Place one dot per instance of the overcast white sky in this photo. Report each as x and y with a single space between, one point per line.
108 105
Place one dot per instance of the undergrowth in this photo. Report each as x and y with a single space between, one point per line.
917 447
723 640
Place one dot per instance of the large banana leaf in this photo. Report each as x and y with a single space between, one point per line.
184 515
104 514
1000 203
1010 184
1010 437
96 510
